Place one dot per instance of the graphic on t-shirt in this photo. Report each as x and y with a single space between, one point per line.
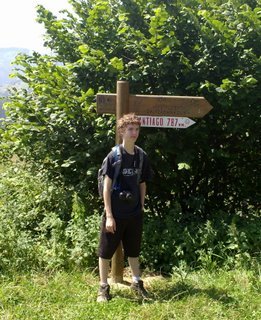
129 172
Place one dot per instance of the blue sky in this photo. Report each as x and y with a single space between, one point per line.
18 26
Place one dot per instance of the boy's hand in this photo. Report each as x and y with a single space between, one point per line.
110 225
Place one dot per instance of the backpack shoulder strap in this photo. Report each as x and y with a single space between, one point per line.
141 155
117 164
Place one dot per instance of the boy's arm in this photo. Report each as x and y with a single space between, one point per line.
110 222
142 194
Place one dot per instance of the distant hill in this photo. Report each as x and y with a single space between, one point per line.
7 55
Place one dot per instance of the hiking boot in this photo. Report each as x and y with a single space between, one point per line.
139 289
104 293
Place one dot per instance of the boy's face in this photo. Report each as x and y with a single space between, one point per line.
130 133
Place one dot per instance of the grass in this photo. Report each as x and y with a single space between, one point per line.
198 295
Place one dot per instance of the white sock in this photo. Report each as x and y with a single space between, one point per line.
136 279
103 284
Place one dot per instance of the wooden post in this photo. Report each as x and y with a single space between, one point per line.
122 107
122 103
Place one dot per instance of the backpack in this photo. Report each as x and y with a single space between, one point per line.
117 158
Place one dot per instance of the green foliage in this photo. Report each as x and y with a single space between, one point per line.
36 231
185 47
215 243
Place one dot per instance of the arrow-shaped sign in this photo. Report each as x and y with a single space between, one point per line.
177 106
166 122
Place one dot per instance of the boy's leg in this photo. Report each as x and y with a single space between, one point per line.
104 265
135 268
104 290
132 244
108 245
137 283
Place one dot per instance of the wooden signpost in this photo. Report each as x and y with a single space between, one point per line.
179 106
155 111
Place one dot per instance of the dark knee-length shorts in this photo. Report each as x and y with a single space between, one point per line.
128 230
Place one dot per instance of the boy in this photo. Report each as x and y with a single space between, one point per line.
123 207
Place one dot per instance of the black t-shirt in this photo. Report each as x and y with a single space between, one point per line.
127 181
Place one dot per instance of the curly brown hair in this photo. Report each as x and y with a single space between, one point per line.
126 119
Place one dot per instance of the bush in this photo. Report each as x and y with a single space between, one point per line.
172 240
35 231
